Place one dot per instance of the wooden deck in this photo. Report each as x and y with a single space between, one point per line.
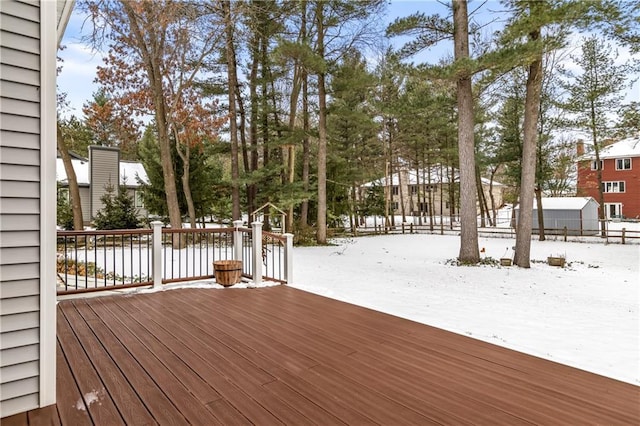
280 355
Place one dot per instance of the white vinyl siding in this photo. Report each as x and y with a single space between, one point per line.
21 355
22 140
17 305
85 202
20 192
19 239
25 173
19 75
104 169
15 372
19 206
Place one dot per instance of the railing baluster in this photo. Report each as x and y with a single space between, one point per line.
218 244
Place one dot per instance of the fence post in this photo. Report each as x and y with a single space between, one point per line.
257 252
156 256
624 231
565 233
288 258
237 240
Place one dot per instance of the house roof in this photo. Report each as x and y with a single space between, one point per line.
629 147
129 170
563 203
437 176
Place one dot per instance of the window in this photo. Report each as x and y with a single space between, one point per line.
594 165
623 163
394 205
414 189
424 207
613 210
394 189
613 186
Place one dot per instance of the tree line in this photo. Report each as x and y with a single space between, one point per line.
299 103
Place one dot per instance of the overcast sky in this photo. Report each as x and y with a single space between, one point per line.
79 67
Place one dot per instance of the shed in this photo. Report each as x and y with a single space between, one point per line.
578 214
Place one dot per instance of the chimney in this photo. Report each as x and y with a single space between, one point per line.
580 148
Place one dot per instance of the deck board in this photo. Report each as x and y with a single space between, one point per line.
279 355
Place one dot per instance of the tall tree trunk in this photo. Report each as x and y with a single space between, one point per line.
469 251
480 198
401 194
304 208
291 149
390 146
242 129
245 153
596 148
152 58
418 191
233 124
253 122
522 256
540 212
264 121
186 186
492 197
74 190
306 149
321 235
430 195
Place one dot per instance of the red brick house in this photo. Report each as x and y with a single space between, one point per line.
620 163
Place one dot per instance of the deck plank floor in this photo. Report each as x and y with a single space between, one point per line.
278 355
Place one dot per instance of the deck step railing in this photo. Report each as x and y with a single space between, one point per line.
109 260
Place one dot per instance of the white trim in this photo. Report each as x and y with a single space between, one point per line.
622 160
614 183
48 52
61 25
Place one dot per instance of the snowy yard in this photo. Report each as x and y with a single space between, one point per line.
585 315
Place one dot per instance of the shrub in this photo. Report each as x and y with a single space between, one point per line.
119 211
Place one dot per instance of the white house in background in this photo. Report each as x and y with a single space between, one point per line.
414 190
30 32
578 214
103 168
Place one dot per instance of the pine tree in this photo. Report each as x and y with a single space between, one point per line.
119 211
64 214
593 94
352 136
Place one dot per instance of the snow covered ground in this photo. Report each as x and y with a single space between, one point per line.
585 315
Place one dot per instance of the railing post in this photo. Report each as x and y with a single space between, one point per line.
237 240
257 252
624 231
288 258
156 257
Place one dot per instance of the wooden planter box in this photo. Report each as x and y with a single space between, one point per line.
505 261
556 261
227 272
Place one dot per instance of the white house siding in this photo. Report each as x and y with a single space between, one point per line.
19 206
85 203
